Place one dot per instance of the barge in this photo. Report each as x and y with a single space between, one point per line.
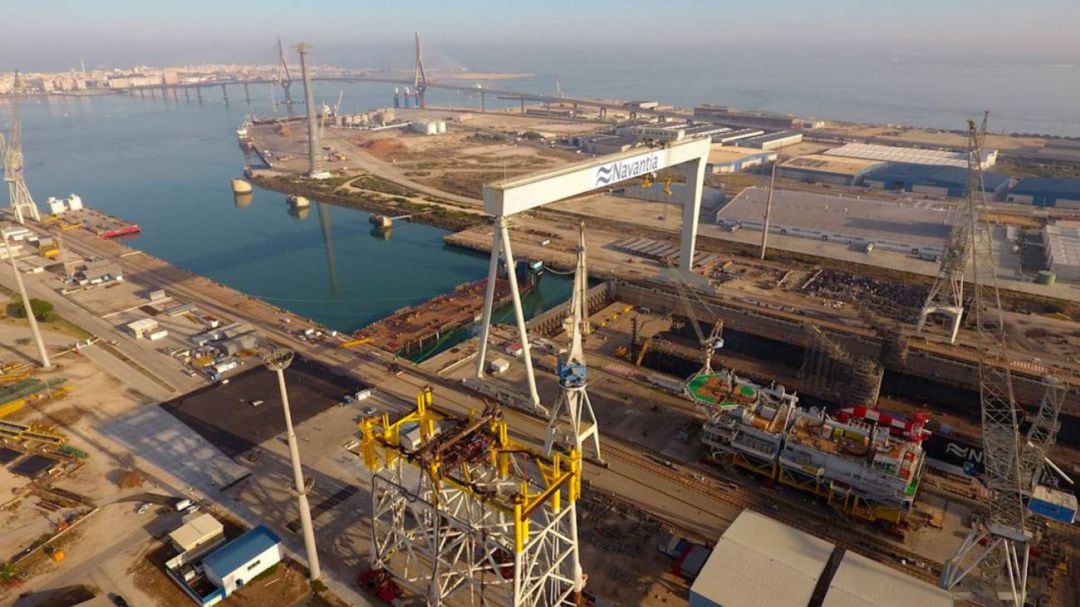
414 329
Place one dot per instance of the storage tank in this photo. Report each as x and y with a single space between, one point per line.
1046 277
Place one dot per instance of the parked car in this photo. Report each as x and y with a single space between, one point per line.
143 508
192 509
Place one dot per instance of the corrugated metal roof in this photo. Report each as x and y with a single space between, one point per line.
762 562
724 154
240 551
197 530
1049 186
861 582
888 153
836 165
940 176
853 216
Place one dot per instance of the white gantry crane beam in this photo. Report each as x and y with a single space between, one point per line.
519 194
574 401
1000 546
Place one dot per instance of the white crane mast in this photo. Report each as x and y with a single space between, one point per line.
572 371
1000 546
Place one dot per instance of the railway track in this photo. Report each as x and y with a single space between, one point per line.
790 513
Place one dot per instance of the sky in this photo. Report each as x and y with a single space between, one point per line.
56 34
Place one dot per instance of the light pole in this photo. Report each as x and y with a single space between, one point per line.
45 364
277 360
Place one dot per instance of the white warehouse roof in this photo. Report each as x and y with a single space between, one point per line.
760 562
888 153
861 582
197 531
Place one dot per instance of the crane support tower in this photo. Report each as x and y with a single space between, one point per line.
468 515
572 371
1000 545
946 296
509 197
22 204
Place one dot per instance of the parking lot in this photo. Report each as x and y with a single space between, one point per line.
238 415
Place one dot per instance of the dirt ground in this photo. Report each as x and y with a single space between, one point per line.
619 550
284 584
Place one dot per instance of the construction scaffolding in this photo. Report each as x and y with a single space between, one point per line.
468 516
832 372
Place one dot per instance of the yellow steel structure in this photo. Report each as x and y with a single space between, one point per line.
352 343
461 510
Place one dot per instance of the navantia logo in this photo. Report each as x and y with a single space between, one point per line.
626 169
966 453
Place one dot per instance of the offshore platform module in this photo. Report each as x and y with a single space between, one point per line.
462 512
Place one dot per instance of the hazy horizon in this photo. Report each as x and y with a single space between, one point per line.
56 34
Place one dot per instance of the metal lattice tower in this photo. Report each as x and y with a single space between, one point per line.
284 78
419 78
22 203
946 296
1000 546
1043 433
572 371
469 516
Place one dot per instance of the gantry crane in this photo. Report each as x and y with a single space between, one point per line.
572 371
1000 545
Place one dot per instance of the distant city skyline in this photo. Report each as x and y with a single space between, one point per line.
56 34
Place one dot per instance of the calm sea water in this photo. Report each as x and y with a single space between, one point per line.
166 165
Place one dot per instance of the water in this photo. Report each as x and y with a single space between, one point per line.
1024 94
166 165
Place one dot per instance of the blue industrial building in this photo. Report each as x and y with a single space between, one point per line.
1046 192
933 180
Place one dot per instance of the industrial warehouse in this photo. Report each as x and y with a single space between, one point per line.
854 221
759 562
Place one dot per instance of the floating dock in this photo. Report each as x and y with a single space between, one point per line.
412 329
